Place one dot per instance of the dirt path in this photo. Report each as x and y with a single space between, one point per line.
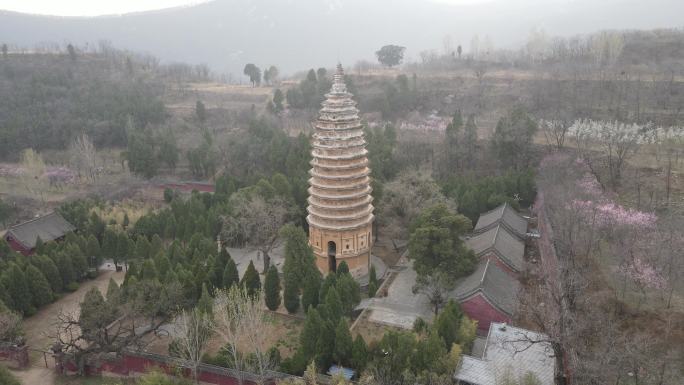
39 326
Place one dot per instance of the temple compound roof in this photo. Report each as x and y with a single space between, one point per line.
497 286
510 354
48 228
339 193
503 215
499 240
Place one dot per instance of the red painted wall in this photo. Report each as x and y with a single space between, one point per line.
478 308
18 247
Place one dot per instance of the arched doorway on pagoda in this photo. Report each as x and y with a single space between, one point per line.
332 253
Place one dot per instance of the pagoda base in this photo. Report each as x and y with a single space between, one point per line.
358 264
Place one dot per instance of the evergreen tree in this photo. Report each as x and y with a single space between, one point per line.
359 356
372 282
66 270
148 270
50 271
113 292
109 242
299 259
448 323
126 221
142 248
272 288
39 287
93 249
155 246
329 282
291 298
122 248
325 345
343 343
308 339
251 281
230 274
205 303
333 306
312 287
349 292
218 267
342 269
15 283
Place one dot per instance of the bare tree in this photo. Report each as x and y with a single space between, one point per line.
241 321
436 287
555 131
10 325
193 329
83 157
256 221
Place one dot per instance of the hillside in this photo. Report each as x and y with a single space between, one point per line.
294 35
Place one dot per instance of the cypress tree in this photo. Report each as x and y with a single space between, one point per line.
448 323
349 292
219 267
148 270
205 303
51 273
66 270
41 292
312 287
372 282
230 274
126 221
359 356
333 306
291 298
343 343
329 282
113 292
93 248
142 248
325 344
272 288
170 228
251 281
18 290
109 242
342 269
308 339
155 246
122 248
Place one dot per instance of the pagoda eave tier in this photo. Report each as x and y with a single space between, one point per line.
340 226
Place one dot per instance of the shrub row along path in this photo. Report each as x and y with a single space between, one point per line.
39 326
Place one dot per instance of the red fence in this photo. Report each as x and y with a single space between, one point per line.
18 354
132 363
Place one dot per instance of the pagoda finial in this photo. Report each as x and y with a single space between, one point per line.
338 79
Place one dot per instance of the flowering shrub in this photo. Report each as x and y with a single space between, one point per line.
644 274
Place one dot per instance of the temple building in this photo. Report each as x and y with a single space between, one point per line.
340 211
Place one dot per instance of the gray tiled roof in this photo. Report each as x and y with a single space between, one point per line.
475 371
510 351
506 245
505 215
509 355
495 284
48 227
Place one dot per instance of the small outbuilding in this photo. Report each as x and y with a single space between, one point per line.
51 227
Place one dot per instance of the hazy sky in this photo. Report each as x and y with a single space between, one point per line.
110 7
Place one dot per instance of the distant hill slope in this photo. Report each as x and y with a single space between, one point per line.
299 34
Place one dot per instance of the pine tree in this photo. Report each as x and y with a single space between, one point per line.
148 270
372 282
205 303
230 274
39 287
219 266
272 288
343 343
109 241
122 248
308 339
155 246
359 356
251 281
142 248
312 286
